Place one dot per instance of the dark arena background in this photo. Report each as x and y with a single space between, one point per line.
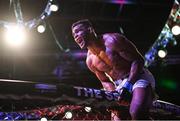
42 68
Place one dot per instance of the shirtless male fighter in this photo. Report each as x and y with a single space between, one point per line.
118 65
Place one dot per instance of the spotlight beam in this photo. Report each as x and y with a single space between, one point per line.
34 22
15 35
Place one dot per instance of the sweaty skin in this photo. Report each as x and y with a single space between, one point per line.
112 57
124 59
120 56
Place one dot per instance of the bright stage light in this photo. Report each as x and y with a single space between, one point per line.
43 119
54 7
15 35
162 53
41 28
68 115
176 30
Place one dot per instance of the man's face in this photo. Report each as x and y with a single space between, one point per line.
80 34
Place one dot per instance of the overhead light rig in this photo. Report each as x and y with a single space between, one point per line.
166 36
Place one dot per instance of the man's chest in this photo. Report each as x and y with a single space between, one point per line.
106 60
103 61
97 63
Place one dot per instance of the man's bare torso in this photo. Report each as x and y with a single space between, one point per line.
120 67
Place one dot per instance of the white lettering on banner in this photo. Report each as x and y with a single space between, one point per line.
78 90
94 93
98 93
116 95
88 91
109 96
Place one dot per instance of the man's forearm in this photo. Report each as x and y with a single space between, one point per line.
105 81
136 69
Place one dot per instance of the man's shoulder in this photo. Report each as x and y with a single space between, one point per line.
111 34
111 38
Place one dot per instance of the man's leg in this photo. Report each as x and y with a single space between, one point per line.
141 102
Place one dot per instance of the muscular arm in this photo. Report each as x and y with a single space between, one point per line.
105 81
136 68
128 51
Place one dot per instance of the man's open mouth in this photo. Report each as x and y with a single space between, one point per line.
82 44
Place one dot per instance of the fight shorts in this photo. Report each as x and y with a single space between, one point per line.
145 79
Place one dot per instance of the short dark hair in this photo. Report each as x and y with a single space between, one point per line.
85 22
